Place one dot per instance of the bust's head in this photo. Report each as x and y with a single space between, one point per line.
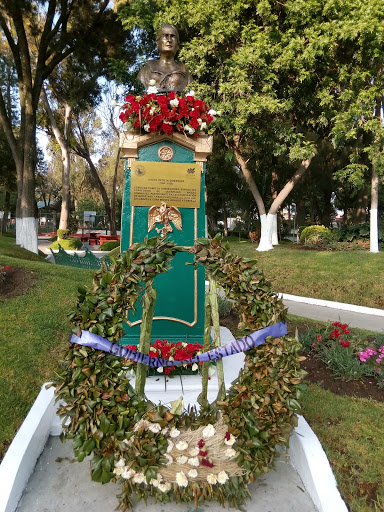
167 39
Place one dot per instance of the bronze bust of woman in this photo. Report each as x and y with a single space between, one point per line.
167 74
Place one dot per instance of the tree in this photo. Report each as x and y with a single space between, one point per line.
278 72
37 36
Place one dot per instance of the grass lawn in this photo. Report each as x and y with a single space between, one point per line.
34 330
355 277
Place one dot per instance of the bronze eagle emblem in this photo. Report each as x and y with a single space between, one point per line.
163 215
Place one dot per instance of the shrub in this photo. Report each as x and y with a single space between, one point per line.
317 234
63 234
69 244
108 246
224 306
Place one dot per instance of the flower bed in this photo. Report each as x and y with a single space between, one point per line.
345 354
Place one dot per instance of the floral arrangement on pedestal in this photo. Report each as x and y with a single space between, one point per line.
167 113
168 452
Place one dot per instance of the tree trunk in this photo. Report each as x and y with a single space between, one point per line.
225 220
274 181
361 206
65 177
374 224
26 211
82 150
7 205
63 141
113 195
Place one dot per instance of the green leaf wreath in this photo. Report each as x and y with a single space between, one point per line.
152 449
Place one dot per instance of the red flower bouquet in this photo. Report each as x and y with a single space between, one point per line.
167 114
179 351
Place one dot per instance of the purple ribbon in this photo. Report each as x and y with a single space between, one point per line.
88 339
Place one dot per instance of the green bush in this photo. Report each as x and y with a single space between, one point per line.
70 244
108 246
317 235
63 234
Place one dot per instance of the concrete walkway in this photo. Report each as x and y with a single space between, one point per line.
61 484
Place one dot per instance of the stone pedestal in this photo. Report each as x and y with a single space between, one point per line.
179 311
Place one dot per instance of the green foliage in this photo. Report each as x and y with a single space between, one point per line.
358 232
224 305
69 244
108 246
63 234
317 234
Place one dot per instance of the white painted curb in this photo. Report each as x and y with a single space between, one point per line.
310 461
335 305
21 457
306 453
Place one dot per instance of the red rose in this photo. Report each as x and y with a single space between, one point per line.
7 267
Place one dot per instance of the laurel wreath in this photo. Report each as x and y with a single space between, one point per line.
128 435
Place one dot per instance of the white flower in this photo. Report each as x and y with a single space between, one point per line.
194 461
211 371
146 128
230 452
165 431
189 129
182 445
212 112
139 478
171 358
199 120
230 441
152 110
118 471
218 113
209 431
155 428
155 483
194 452
181 479
182 459
141 424
190 93
195 367
174 102
222 477
160 369
128 473
169 458
170 446
203 125
152 90
120 463
113 103
152 82
174 432
211 478
192 473
165 487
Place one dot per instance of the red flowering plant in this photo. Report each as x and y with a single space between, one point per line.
3 273
167 113
171 351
